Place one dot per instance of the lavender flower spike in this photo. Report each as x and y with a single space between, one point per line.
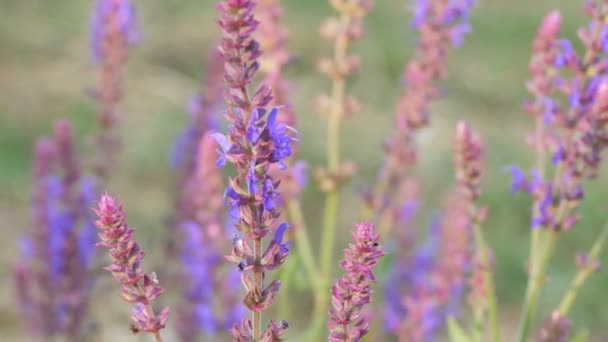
255 143
351 292
136 287
114 27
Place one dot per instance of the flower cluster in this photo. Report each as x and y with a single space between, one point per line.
136 286
255 142
570 101
468 153
53 278
114 26
439 24
202 239
437 275
198 228
272 36
353 291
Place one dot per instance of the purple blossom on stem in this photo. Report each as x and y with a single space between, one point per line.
440 25
574 90
437 282
201 240
114 26
137 287
255 142
556 328
54 276
353 291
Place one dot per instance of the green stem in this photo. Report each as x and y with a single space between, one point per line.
583 273
333 162
306 255
535 283
259 284
286 276
303 247
488 280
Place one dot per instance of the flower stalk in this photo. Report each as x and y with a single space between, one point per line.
114 26
256 142
574 133
343 30
353 291
137 287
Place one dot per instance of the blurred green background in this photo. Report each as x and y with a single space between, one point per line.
45 72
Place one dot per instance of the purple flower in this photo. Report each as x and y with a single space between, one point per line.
269 194
280 139
224 148
254 127
111 18
299 173
278 238
565 53
88 232
519 181
549 109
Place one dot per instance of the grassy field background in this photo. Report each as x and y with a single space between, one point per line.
45 72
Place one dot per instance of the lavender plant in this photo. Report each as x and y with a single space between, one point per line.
427 284
114 26
255 141
569 102
199 225
53 278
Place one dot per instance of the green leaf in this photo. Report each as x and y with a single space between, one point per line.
456 332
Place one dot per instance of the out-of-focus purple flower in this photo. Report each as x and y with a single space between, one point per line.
556 328
408 276
113 19
56 270
518 179
88 232
198 259
353 291
114 27
209 302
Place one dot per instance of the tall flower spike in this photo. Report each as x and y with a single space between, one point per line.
256 141
574 132
137 288
59 253
438 292
439 25
114 26
468 162
353 291
202 238
199 213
